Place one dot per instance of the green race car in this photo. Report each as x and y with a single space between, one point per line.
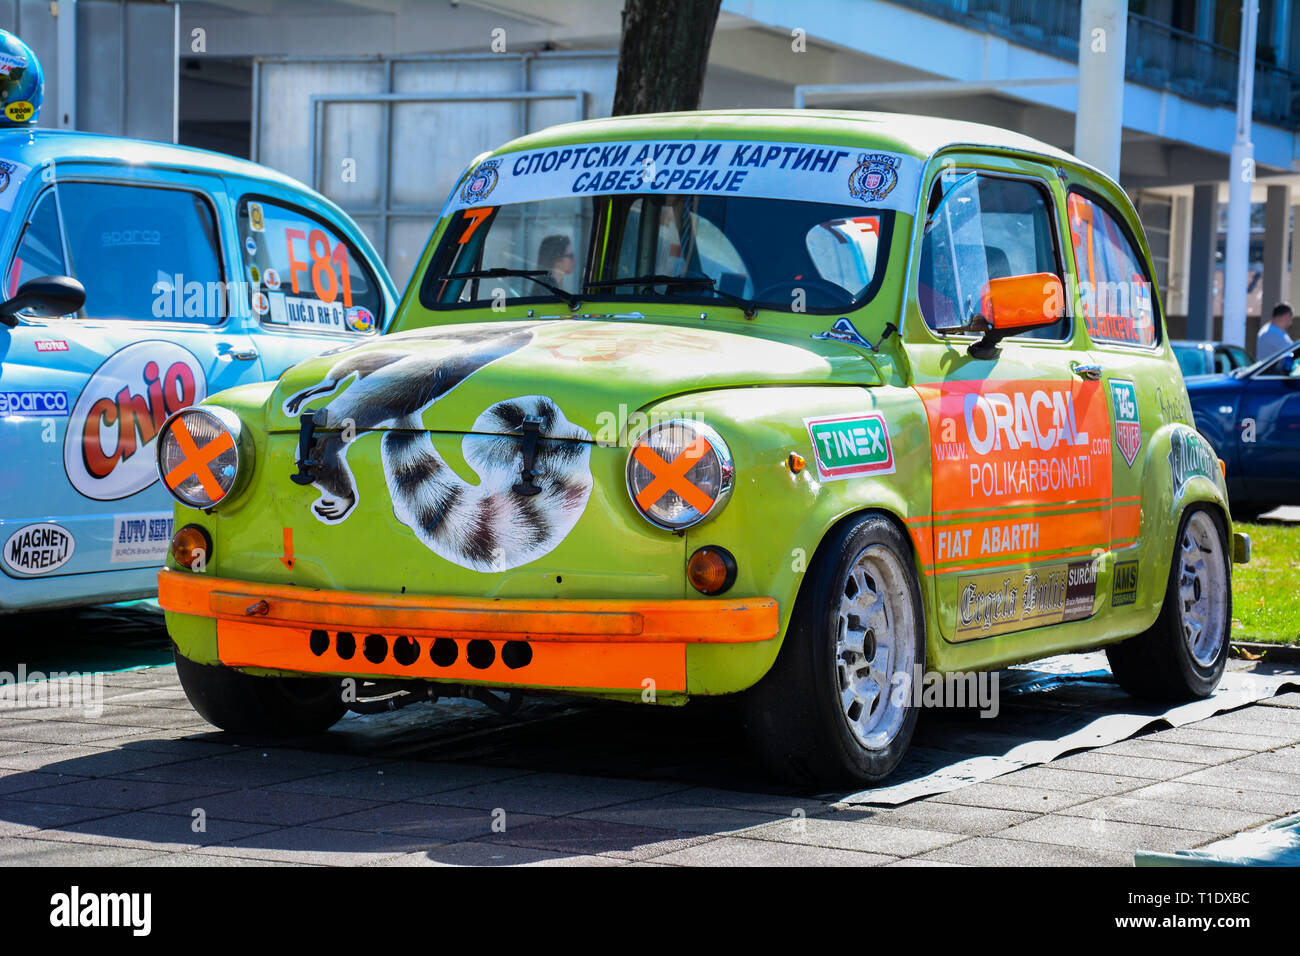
797 406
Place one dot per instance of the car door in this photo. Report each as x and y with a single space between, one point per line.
1117 304
159 331
314 282
1021 465
1268 428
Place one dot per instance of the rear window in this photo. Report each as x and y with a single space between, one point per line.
1115 292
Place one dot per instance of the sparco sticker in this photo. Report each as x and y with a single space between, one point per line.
108 450
38 549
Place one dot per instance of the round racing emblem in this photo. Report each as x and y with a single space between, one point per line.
480 182
874 178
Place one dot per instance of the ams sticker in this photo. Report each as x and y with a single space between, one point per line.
107 451
38 549
1124 584
1128 423
1017 600
848 446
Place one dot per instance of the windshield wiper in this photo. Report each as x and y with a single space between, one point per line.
745 305
534 275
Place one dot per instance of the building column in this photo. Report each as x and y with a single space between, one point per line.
1099 115
1277 227
1200 263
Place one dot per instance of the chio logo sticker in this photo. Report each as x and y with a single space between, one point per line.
108 451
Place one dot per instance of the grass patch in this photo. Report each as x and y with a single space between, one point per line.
1266 592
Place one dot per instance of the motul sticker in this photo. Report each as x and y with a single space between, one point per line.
38 549
108 452
848 446
51 345
1128 424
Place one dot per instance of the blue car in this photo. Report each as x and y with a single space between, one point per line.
1252 418
200 272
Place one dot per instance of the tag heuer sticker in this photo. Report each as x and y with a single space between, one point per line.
848 446
1128 424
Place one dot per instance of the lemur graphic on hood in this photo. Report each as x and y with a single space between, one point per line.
489 526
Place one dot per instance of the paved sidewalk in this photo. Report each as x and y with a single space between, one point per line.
147 782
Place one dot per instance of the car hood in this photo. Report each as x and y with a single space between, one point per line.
446 378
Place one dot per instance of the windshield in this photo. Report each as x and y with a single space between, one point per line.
779 254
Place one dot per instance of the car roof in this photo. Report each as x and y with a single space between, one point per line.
918 136
35 147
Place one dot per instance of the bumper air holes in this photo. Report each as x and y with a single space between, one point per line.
345 644
376 648
320 642
517 654
480 654
406 651
444 652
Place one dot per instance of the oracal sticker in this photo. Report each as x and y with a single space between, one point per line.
38 549
141 538
1128 424
848 446
307 313
1016 600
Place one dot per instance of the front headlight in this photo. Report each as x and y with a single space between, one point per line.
679 473
201 455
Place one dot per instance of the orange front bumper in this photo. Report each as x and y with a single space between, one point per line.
536 643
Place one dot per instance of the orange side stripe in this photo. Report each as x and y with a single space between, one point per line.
704 621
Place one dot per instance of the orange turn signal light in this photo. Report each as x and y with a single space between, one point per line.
192 547
711 570
1223 467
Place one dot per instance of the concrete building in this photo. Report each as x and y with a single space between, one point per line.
379 103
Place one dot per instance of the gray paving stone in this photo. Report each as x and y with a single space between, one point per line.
18 781
440 824
56 731
520 797
776 804
242 770
1104 835
627 788
668 815
267 806
114 793
1237 777
152 831
201 859
495 854
1269 721
942 817
999 796
1166 813
1196 734
1049 777
733 851
25 814
1284 760
1148 748
27 851
1288 699
387 783
853 834
991 851
922 861
319 846
1105 762
576 835
1227 798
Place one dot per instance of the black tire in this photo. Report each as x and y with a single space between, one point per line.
793 717
1161 663
260 706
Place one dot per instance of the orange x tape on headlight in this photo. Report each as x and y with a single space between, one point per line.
679 473
201 456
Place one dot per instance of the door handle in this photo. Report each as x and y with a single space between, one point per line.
1090 372
242 355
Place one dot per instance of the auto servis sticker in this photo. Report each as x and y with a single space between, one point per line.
811 172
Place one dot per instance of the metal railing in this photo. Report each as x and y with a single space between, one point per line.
1157 55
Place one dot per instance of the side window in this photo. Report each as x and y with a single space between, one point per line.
131 245
303 274
40 251
986 228
1114 289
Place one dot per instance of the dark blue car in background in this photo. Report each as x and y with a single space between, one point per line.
1251 416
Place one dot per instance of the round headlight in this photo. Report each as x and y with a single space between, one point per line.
679 473
199 453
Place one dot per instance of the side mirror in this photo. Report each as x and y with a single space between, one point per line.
1015 304
47 296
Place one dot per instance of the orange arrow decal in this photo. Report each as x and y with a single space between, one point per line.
288 559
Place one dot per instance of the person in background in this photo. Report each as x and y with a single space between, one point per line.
555 255
1273 336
